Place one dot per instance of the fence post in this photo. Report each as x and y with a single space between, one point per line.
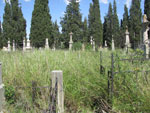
57 77
112 75
1 91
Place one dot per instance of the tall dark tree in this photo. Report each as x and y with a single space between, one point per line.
7 27
95 24
14 24
72 22
125 22
115 22
85 31
108 25
41 25
147 8
56 35
135 22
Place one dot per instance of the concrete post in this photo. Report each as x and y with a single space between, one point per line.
1 91
71 41
57 76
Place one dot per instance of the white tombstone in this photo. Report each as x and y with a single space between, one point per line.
9 47
24 45
105 43
127 40
83 47
46 44
28 47
113 45
71 41
14 45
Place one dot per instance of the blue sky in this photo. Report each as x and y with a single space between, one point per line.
58 7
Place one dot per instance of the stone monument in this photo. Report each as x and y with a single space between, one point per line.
113 45
28 47
71 41
127 40
46 44
13 45
9 47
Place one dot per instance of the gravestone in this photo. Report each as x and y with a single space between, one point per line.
28 47
93 45
91 40
113 45
46 44
127 40
9 47
14 46
71 41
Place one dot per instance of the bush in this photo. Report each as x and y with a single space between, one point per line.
77 46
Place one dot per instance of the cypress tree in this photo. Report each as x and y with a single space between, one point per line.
41 25
125 21
147 8
56 35
14 24
85 31
108 26
135 22
115 25
95 24
7 28
72 22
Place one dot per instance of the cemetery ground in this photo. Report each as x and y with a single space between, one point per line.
85 88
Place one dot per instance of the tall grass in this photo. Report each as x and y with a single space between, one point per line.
82 81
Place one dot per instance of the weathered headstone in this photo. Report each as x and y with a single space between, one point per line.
71 41
14 48
91 40
57 77
46 44
113 45
127 40
1 91
9 47
28 47
83 47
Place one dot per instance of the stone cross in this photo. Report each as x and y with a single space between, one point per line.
46 44
113 45
70 42
13 45
9 47
24 44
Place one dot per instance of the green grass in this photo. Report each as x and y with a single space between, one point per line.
82 81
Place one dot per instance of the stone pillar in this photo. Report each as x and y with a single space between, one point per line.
14 46
9 47
127 41
24 45
83 47
71 41
145 29
93 45
147 50
28 47
91 40
46 44
113 45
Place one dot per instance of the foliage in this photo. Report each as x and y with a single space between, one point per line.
95 24
77 46
14 24
41 25
1 44
72 22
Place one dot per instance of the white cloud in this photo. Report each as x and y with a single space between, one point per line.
6 1
27 0
68 1
104 1
128 3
